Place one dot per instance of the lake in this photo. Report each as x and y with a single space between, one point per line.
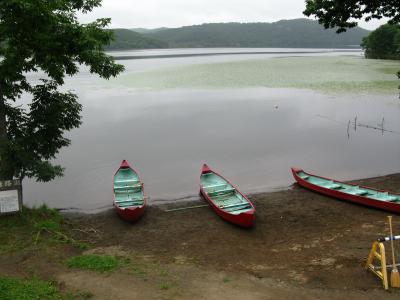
250 116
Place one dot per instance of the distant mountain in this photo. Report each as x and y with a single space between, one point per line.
297 33
128 39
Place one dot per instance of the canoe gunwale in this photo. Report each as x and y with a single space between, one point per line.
358 199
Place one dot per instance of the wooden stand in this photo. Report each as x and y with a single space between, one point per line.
381 269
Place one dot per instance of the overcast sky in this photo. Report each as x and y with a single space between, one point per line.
176 13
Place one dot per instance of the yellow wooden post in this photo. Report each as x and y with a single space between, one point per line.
379 270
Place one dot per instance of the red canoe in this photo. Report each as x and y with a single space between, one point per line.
129 197
349 192
227 201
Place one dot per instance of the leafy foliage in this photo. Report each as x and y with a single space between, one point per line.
37 135
44 36
343 13
383 43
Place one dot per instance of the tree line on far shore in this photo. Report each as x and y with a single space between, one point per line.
383 43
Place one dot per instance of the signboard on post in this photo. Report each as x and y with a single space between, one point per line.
10 196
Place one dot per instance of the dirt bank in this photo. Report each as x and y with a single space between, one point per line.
304 245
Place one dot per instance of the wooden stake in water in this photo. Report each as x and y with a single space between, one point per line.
355 123
348 129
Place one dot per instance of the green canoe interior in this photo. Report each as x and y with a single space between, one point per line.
128 190
223 194
349 189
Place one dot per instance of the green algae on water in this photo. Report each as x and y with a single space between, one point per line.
340 74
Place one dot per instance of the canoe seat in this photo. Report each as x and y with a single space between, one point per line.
125 184
395 200
221 192
130 200
215 186
133 181
384 196
126 205
358 192
240 210
127 189
235 205
126 197
335 186
223 196
332 185
305 177
361 193
391 198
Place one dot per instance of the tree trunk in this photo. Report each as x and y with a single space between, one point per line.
6 172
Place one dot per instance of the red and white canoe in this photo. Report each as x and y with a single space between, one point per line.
227 201
349 192
129 197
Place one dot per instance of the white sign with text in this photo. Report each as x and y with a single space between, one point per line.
9 201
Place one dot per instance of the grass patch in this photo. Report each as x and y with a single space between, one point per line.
39 227
139 270
27 228
167 285
98 263
143 269
79 296
13 289
164 273
153 272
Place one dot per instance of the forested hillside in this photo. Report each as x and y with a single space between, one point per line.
128 39
298 33
285 33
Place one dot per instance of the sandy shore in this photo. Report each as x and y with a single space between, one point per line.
303 246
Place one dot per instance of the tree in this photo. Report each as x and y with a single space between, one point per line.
343 13
383 43
45 36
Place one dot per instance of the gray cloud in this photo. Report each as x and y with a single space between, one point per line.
176 13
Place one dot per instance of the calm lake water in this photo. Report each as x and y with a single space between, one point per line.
169 115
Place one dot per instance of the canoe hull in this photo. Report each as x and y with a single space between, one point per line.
244 219
358 199
132 213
